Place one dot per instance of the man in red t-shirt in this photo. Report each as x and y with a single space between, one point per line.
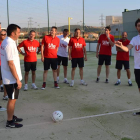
30 58
77 50
122 58
49 48
105 43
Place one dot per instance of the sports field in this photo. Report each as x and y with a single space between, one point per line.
101 102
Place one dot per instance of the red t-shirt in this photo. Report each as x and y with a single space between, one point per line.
50 46
30 48
0 53
77 47
123 55
105 47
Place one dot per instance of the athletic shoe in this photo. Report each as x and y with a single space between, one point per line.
13 125
1 89
56 85
136 113
65 81
97 80
106 81
129 83
25 87
2 109
5 97
117 83
34 87
16 119
83 83
43 86
71 84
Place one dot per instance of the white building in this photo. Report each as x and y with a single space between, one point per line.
111 20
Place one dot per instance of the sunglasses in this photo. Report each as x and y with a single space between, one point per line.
3 34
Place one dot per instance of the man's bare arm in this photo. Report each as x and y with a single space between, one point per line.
97 50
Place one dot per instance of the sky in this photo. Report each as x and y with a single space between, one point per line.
59 10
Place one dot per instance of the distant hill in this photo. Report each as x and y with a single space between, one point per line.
72 28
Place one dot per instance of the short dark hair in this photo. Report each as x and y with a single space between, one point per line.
137 21
108 27
32 31
3 30
11 28
77 29
54 27
65 30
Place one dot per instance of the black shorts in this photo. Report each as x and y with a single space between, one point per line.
30 66
50 62
137 76
0 74
64 60
120 63
106 58
79 61
12 91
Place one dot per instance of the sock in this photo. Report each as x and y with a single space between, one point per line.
44 82
65 79
129 80
98 77
119 80
58 78
82 81
26 84
55 82
33 83
10 121
72 81
1 85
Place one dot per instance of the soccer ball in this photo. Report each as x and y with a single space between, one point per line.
57 116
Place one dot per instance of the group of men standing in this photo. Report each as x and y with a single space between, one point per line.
55 50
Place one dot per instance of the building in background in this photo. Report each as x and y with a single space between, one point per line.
112 20
129 18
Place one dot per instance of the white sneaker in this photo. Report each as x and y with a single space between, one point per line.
65 81
34 87
71 84
2 109
83 83
25 87
5 97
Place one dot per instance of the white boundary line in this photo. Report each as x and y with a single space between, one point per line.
79 118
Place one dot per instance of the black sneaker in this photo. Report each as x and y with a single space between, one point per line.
1 89
136 113
106 81
129 83
97 80
117 83
16 119
13 125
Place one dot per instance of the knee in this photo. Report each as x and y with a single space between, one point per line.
26 73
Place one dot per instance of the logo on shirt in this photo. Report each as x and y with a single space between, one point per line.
137 48
77 45
51 46
63 45
106 43
32 49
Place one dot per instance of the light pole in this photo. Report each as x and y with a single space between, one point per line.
83 19
69 18
48 14
7 12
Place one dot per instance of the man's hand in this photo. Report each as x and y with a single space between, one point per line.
42 59
24 54
107 34
97 55
70 58
19 84
118 44
85 58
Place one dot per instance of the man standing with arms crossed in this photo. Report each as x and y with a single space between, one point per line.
135 44
49 48
11 73
30 58
77 50
122 58
63 54
103 52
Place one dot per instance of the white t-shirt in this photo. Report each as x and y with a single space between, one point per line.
9 52
63 46
135 42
